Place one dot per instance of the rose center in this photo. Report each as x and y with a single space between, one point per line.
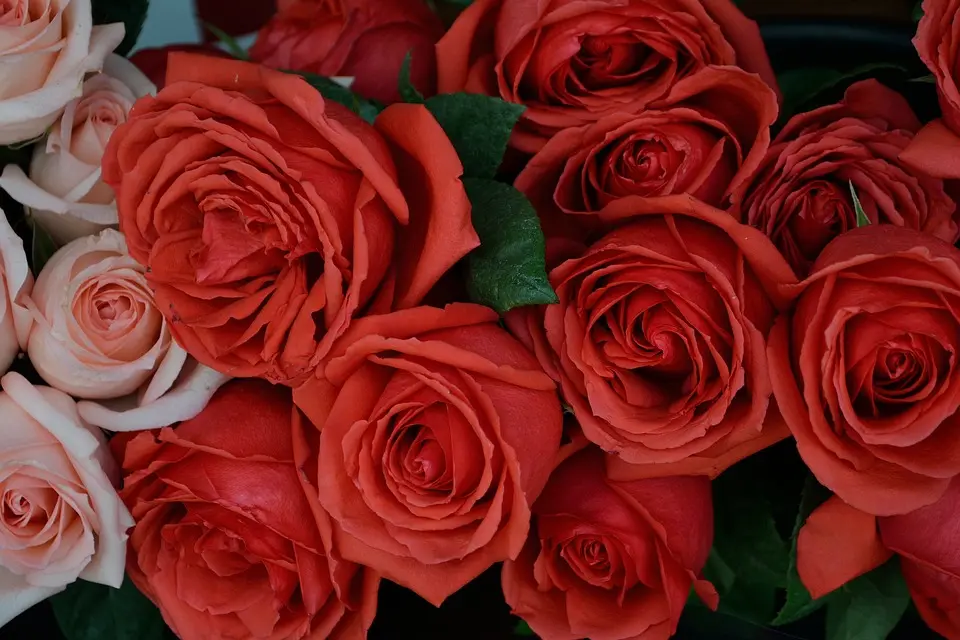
23 512
590 558
613 60
422 458
820 212
14 12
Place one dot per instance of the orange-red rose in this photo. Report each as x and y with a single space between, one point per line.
800 195
936 149
611 560
659 339
227 543
437 432
572 63
268 218
865 369
366 40
705 138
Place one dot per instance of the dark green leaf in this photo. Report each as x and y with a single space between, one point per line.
807 88
799 603
88 611
918 12
479 128
229 42
366 109
927 79
869 607
523 630
408 91
508 269
750 558
43 247
132 13
862 219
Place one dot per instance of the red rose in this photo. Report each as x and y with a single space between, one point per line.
233 17
153 62
704 138
268 218
574 63
936 149
227 543
611 560
437 432
364 39
865 370
659 339
800 196
839 543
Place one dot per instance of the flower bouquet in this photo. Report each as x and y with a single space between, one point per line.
481 319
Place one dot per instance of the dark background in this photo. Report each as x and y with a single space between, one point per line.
799 33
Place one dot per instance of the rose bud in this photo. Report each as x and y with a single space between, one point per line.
47 49
437 432
97 334
839 543
800 195
64 193
937 146
572 64
367 40
61 518
269 218
659 338
864 369
612 560
15 319
705 138
226 542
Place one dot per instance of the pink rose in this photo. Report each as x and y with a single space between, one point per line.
61 518
17 282
64 192
99 335
46 50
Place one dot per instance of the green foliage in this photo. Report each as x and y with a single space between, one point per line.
508 270
479 128
366 109
408 91
132 13
229 42
869 607
862 219
88 611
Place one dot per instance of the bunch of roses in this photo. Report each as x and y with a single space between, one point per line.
718 291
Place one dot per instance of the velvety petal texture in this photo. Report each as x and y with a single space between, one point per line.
226 542
659 339
573 62
801 196
269 218
63 192
611 560
366 40
936 150
437 431
60 516
46 49
864 370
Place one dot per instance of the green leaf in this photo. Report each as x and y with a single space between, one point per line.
43 247
229 42
479 128
523 630
88 611
132 13
799 603
807 88
508 269
862 219
749 559
869 607
366 109
918 11
408 91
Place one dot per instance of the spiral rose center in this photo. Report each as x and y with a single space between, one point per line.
820 212
421 459
27 510
593 560
14 12
612 60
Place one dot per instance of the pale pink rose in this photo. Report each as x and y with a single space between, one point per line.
64 192
15 319
98 335
60 516
46 49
